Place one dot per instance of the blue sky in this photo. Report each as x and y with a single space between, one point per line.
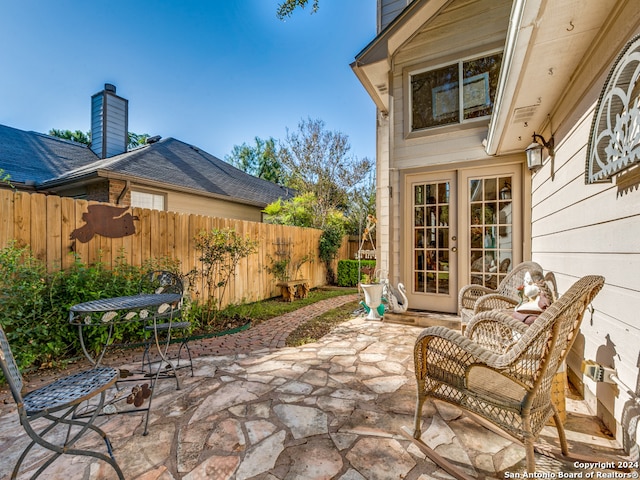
213 73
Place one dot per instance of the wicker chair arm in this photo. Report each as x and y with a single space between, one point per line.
494 301
470 293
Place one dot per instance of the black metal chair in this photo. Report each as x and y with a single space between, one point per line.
163 281
58 403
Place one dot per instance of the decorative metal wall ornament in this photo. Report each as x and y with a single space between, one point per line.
614 141
107 221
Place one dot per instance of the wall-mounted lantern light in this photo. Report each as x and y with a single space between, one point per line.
534 151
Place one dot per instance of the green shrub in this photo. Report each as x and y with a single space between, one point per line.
220 252
82 283
31 325
348 271
330 242
34 304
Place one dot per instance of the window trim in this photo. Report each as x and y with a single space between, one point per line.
463 123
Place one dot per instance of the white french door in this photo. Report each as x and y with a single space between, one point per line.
431 239
460 227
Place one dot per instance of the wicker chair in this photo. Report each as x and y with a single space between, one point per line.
504 296
162 281
58 404
502 370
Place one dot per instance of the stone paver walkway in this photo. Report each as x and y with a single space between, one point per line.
331 409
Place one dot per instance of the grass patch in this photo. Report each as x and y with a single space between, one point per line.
318 327
274 307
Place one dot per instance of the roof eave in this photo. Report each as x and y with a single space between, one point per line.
373 63
140 181
521 27
365 75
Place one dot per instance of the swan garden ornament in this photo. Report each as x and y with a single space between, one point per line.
396 297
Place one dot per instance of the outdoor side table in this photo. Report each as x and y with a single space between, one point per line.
144 309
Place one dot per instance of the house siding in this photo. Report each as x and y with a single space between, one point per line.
485 26
388 10
580 229
213 207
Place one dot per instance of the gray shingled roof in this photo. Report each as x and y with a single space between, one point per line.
50 161
34 157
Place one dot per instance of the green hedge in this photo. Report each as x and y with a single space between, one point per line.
348 271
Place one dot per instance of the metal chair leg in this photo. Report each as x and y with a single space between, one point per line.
68 419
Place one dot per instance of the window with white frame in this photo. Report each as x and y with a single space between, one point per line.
153 201
436 98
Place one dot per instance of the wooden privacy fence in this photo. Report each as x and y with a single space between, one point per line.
47 224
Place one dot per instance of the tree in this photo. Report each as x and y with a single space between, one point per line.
286 8
133 139
317 161
362 204
260 161
298 211
136 139
77 136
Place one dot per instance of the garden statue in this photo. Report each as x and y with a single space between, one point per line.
396 297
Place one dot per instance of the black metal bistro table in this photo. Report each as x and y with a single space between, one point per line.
144 309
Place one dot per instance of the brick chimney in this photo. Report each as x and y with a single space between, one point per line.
109 122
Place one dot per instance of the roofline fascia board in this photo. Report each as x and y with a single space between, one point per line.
385 45
522 24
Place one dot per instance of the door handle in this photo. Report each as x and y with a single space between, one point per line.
454 249
454 238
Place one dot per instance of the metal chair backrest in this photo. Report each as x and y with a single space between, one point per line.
10 368
163 281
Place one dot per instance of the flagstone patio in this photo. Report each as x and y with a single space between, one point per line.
331 409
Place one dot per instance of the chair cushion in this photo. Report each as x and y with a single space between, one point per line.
495 387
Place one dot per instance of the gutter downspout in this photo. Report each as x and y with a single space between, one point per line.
127 187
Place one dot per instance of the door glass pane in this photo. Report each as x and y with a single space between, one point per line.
490 230
431 234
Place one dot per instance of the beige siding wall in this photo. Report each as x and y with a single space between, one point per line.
435 44
438 43
388 10
186 203
580 229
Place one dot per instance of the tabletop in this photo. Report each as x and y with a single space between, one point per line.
124 309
